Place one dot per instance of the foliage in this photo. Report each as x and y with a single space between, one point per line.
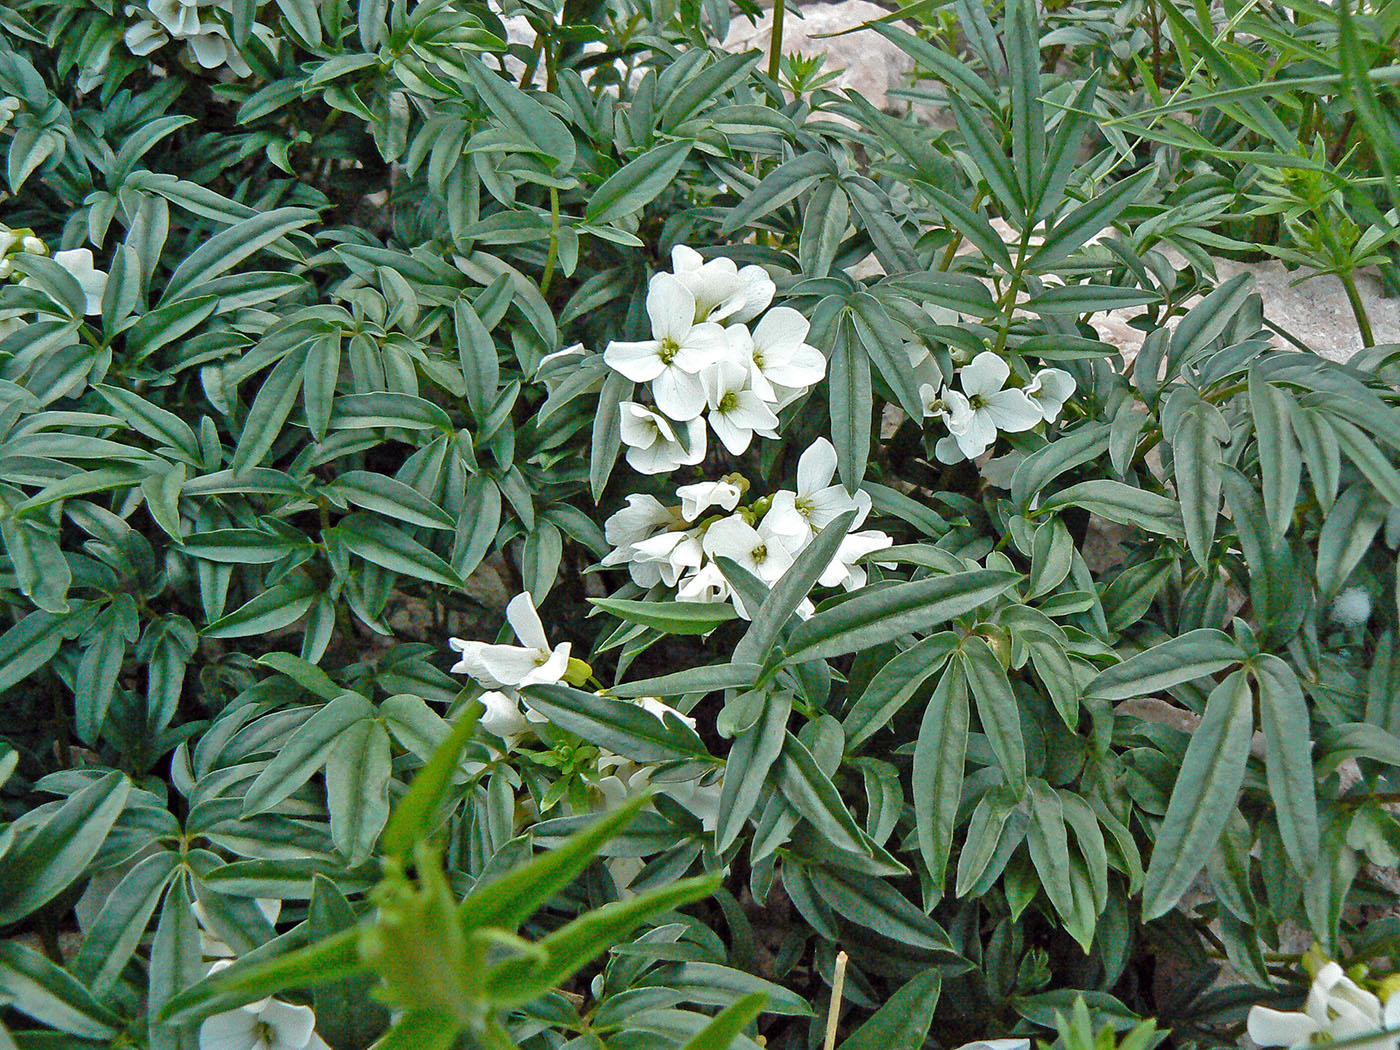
304 360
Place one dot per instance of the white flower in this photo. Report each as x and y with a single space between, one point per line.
817 502
722 291
997 1044
1050 388
511 666
9 106
989 408
656 445
642 518
654 706
779 357
843 570
924 367
705 584
1336 1008
503 716
268 1024
679 348
79 264
736 409
1352 608
673 553
700 497
760 550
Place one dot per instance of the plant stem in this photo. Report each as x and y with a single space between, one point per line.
775 42
553 241
833 1013
1363 323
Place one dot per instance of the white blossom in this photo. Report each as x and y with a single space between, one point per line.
817 502
762 551
700 497
981 409
672 359
737 411
268 1024
705 584
843 570
9 106
778 354
657 445
1352 608
642 517
511 666
722 291
1049 389
673 553
1336 1008
503 716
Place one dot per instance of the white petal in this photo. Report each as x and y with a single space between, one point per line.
1277 1028
685 259
291 1025
805 367
507 665
698 498
502 717
756 292
984 374
816 467
978 436
525 621
736 438
679 394
948 450
751 411
641 427
694 442
639 362
732 537
660 458
234 1030
551 670
671 308
1011 411
781 326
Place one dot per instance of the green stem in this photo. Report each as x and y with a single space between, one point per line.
775 43
1363 323
1008 301
957 240
553 240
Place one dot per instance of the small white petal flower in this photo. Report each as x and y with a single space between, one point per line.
511 666
1050 388
780 357
761 551
700 497
503 717
1336 1009
657 445
79 264
9 106
722 291
673 553
843 570
736 410
705 584
678 350
269 1025
800 515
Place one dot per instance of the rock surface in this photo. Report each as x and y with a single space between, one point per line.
868 63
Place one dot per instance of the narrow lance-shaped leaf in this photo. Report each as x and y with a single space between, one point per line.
939 758
1184 658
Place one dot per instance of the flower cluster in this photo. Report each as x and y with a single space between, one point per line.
985 404
703 364
678 546
1337 1009
195 23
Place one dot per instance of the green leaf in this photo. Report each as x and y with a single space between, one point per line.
46 860
274 609
414 816
269 411
229 247
746 769
40 989
714 985
530 123
997 710
721 1032
623 728
1197 433
876 616
382 544
903 1020
30 644
476 351
939 759
1283 717
358 770
711 679
895 684
1184 658
637 183
1280 462
305 751
390 497
1125 504
109 943
849 399
519 980
1073 231
671 617
873 903
812 794
1203 797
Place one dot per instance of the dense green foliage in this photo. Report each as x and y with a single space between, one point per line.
256 478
